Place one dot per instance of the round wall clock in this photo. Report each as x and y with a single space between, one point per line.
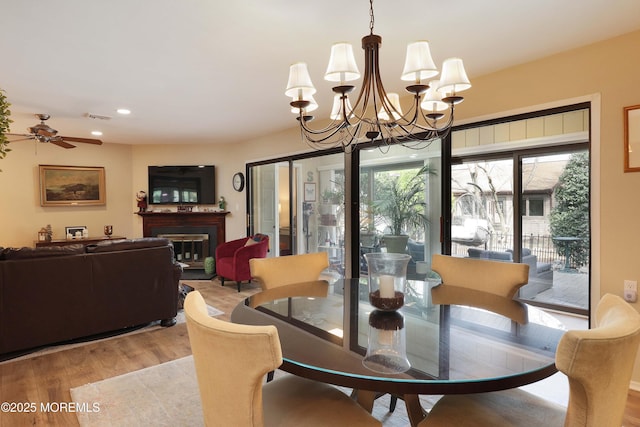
238 181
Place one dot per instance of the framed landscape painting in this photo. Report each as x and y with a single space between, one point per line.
72 186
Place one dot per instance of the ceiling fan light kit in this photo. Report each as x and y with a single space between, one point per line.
377 114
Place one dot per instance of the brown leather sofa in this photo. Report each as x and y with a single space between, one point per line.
55 294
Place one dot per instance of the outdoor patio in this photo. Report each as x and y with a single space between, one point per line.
570 288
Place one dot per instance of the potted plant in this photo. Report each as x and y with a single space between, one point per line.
4 125
401 206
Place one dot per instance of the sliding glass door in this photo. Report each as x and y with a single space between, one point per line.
514 189
520 193
299 202
554 213
399 203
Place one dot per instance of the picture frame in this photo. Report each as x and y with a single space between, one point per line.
72 185
632 138
309 191
72 230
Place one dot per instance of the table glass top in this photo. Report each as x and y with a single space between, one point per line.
443 344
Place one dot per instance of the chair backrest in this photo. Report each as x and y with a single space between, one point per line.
287 270
599 363
495 277
231 361
490 285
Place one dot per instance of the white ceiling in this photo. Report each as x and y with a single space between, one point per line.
207 71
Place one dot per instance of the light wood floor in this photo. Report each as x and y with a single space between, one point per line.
48 377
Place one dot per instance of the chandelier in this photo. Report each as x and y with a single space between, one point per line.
376 114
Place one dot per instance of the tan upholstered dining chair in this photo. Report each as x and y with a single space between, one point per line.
231 361
490 285
286 270
291 275
598 363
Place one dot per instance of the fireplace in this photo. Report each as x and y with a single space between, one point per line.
195 235
190 249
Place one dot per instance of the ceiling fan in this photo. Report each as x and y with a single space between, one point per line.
44 133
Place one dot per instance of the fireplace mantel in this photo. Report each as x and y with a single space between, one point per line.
152 221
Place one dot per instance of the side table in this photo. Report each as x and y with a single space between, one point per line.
66 242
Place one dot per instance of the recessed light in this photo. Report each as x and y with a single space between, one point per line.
96 133
123 111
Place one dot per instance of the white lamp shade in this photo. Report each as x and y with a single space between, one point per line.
342 64
336 109
394 99
432 100
418 64
453 78
299 86
312 106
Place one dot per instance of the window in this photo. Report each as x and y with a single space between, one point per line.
535 207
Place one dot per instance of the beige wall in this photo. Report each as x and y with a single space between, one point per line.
608 69
21 215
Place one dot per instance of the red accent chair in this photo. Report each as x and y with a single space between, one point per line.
232 257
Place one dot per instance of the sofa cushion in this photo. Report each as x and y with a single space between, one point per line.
127 244
42 252
524 251
485 254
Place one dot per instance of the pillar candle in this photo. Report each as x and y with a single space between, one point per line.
386 287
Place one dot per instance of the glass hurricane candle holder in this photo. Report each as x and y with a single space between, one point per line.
387 346
387 278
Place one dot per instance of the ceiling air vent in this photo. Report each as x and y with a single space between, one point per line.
98 116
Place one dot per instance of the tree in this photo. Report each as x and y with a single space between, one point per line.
570 215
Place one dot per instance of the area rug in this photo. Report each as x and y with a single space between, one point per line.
167 395
162 395
98 338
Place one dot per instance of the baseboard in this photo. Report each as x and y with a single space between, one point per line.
635 386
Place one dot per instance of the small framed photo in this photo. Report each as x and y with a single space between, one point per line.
76 231
309 191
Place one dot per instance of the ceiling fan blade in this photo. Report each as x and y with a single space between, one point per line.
28 138
85 140
61 143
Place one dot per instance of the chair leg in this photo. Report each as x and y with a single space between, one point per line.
222 280
239 283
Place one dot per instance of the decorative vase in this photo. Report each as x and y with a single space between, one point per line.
209 265
387 277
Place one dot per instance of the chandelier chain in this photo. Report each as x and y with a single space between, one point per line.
371 17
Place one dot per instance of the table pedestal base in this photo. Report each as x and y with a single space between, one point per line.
365 398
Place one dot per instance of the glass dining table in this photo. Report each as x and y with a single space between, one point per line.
450 349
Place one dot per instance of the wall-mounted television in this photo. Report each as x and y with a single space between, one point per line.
181 185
